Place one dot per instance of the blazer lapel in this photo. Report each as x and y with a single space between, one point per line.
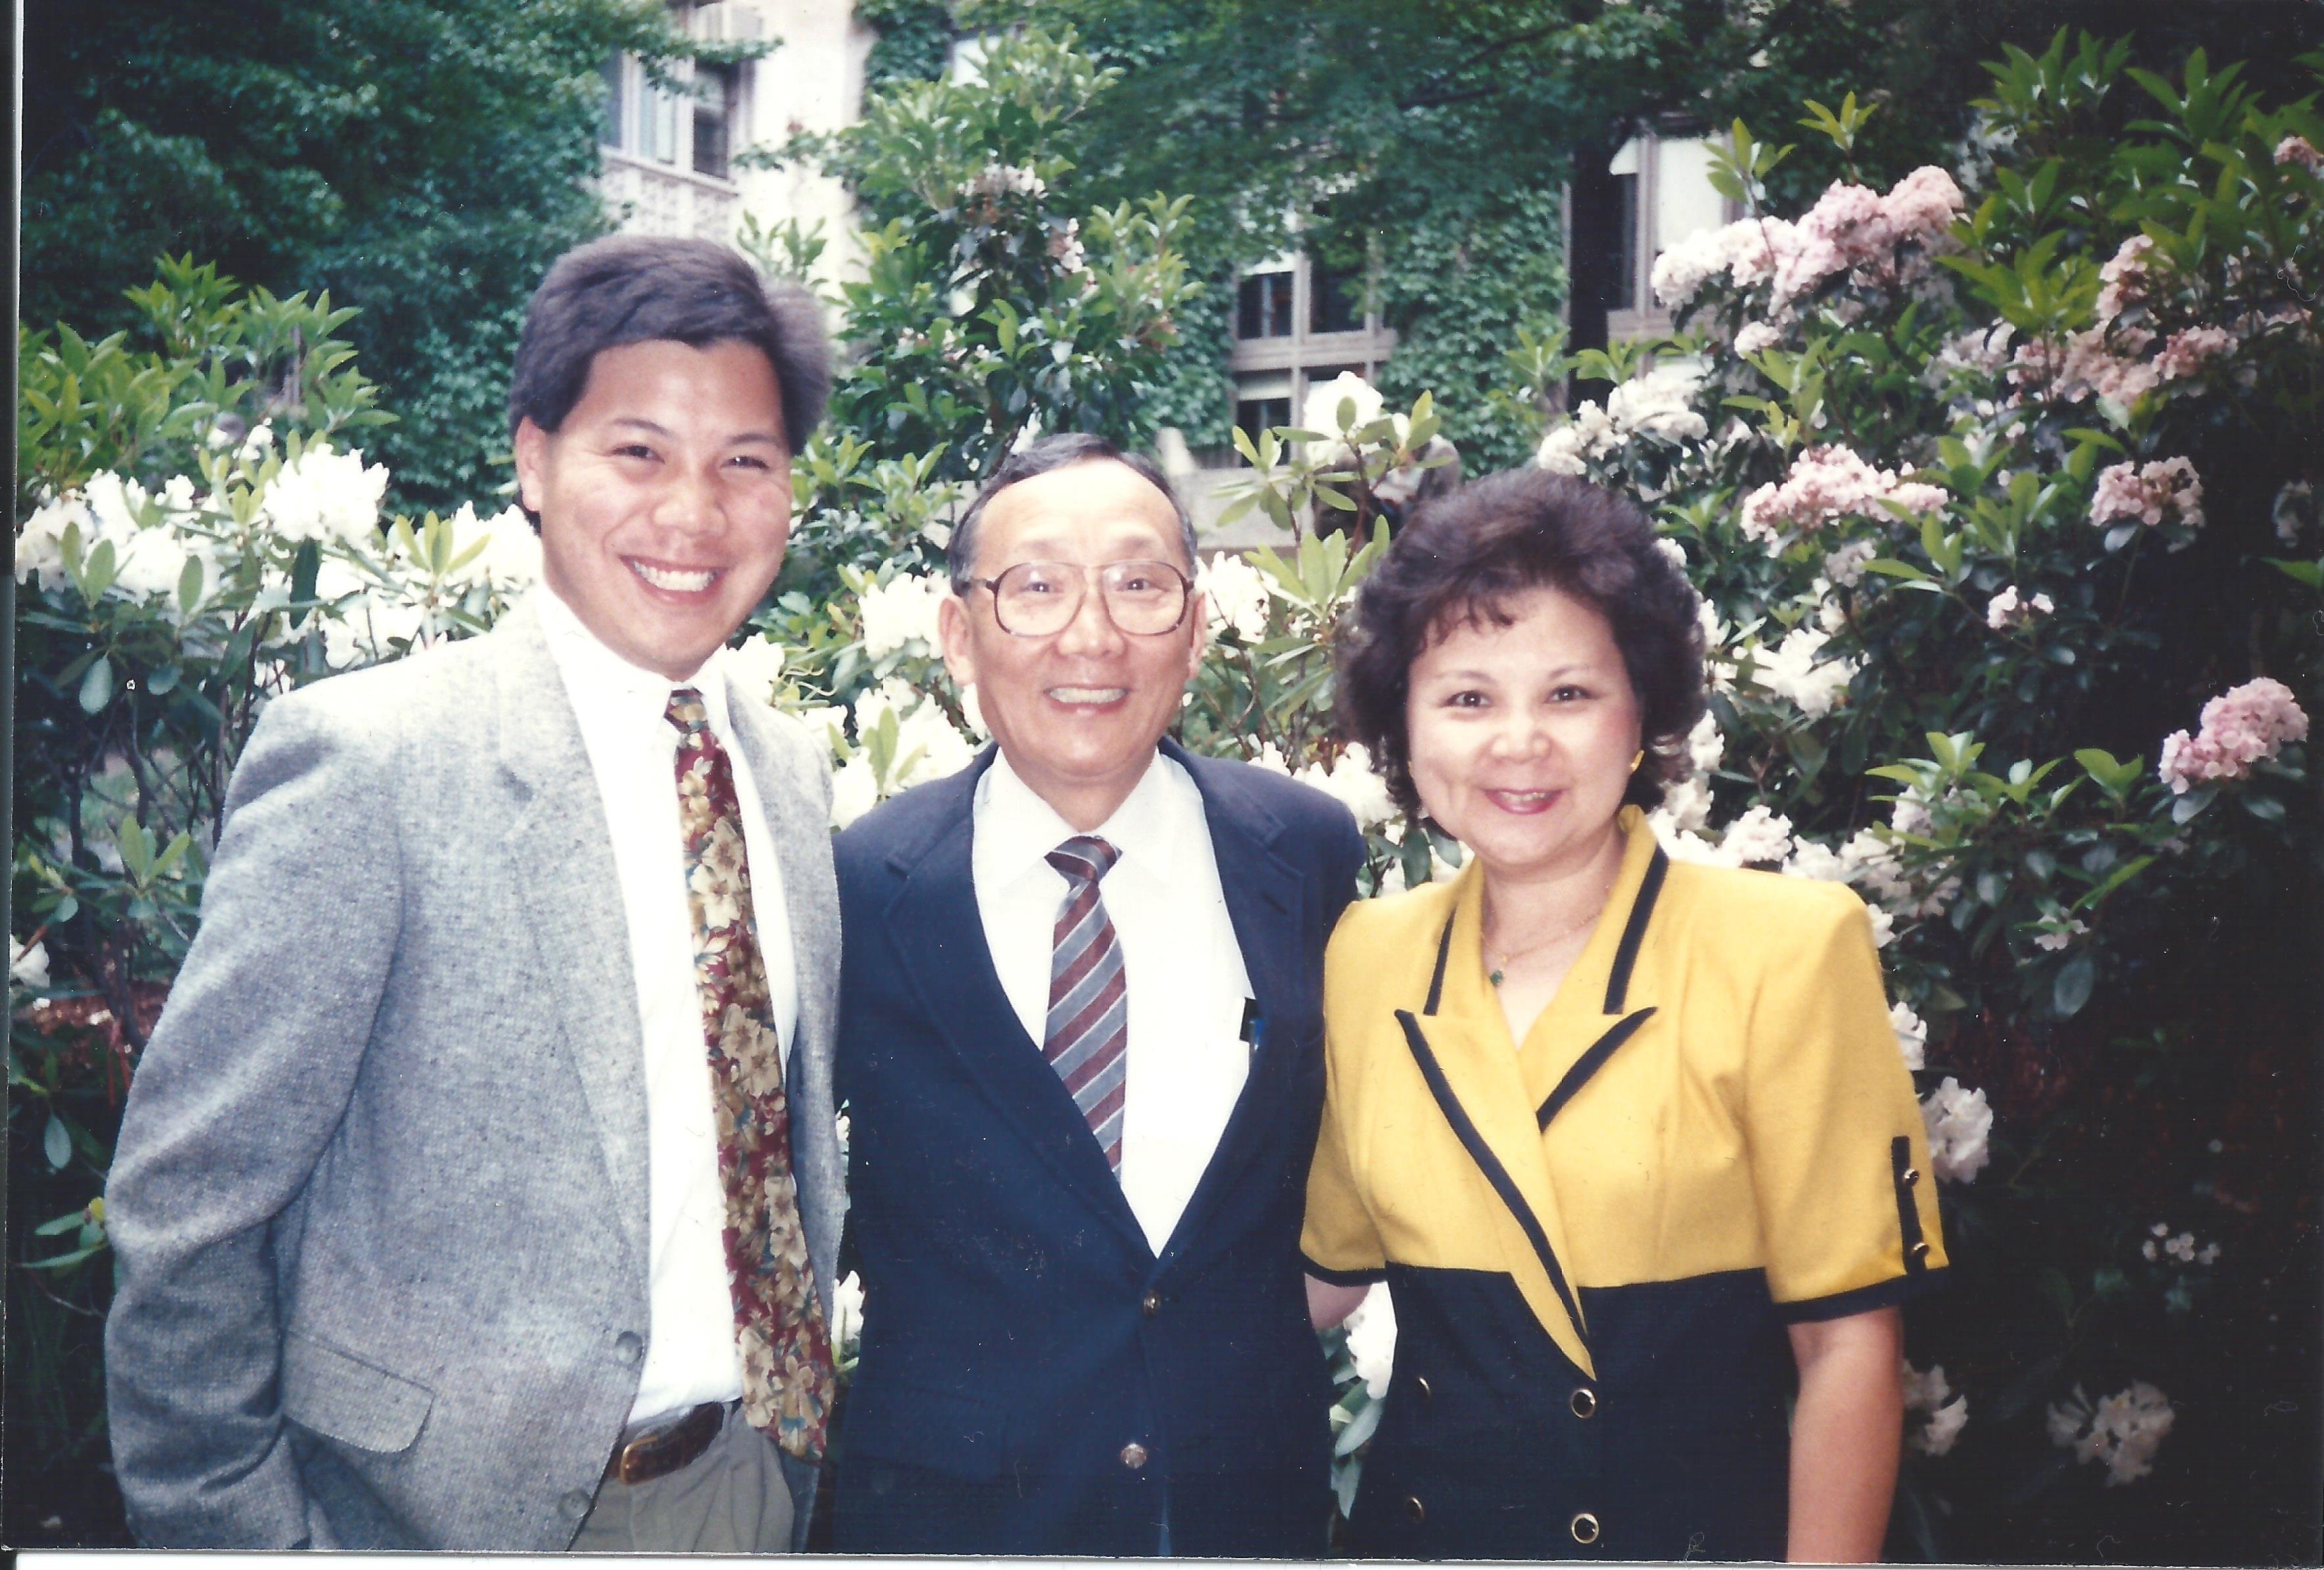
1481 1087
1266 903
561 858
938 934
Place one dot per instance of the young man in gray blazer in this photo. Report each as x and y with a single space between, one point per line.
479 1188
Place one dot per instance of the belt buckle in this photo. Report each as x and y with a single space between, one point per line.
638 1459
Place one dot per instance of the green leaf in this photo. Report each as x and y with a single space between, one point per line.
2072 989
56 1143
2265 808
2054 1287
1889 567
303 569
97 685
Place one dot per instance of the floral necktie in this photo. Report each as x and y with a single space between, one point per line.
785 1346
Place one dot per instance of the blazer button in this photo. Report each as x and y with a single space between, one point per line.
1584 1401
1584 1528
1415 1508
1152 1305
1133 1455
1420 1383
628 1347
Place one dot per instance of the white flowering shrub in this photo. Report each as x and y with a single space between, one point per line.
200 531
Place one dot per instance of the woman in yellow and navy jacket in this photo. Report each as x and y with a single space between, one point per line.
1630 1139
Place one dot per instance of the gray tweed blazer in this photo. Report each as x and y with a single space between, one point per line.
379 1203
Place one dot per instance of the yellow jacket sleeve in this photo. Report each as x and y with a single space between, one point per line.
1839 1153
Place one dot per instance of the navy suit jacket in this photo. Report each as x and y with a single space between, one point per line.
1032 1379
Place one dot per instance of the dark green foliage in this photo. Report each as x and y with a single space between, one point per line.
915 43
424 160
1460 294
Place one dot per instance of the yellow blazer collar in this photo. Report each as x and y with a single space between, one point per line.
1504 1093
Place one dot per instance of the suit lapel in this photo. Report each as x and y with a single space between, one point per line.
561 857
1266 903
938 934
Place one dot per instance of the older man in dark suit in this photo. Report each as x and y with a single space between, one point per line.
1081 1047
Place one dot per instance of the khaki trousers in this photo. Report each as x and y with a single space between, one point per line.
732 1499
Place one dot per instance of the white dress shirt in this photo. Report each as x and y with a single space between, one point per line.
622 710
1180 964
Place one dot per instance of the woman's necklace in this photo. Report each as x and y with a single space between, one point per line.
1500 965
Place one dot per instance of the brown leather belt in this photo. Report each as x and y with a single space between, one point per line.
663 1450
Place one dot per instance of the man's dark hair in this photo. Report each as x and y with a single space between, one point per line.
1464 556
1039 457
632 289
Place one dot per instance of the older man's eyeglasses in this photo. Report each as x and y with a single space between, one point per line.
1037 599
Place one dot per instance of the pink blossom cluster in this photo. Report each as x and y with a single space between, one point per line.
2125 281
2083 365
2299 150
1850 226
1826 483
2189 349
2148 492
2240 727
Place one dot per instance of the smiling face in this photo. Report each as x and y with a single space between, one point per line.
1077 713
1521 735
665 498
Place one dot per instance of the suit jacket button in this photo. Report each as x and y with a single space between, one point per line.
1152 1305
575 1504
628 1347
1584 1401
1415 1508
1584 1528
1420 1383
1133 1455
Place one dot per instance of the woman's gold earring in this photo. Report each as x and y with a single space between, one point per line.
1640 759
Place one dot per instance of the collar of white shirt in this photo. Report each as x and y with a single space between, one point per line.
603 685
1016 830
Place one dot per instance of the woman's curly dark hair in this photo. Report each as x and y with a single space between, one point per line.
1467 555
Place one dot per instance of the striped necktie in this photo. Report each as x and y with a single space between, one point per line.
1087 1038
778 1324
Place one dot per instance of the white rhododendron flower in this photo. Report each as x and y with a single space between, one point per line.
1759 835
854 790
27 967
326 496
1372 1340
846 1316
1320 412
40 543
1590 434
1793 672
1659 404
899 610
1944 1410
1960 1123
1810 859
1756 336
1237 594
1349 781
2124 1430
756 665
1912 1033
